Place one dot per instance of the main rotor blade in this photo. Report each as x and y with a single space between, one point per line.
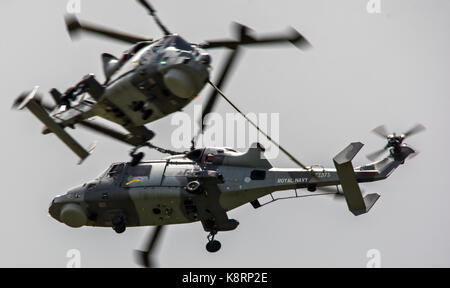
293 37
373 156
74 26
144 257
381 131
212 98
289 155
148 6
414 130
152 12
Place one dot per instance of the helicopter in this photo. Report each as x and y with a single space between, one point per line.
202 185
151 80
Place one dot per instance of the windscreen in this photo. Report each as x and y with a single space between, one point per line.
181 44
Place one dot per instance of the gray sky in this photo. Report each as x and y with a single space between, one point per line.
365 70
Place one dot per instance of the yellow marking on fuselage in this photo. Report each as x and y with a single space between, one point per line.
132 181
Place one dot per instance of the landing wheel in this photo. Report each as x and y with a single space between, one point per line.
120 228
119 223
136 158
213 246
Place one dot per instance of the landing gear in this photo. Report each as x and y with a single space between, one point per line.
312 188
213 245
120 228
119 224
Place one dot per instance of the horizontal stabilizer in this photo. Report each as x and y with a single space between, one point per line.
355 201
35 107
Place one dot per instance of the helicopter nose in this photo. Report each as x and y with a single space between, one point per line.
52 210
67 212
73 215
182 83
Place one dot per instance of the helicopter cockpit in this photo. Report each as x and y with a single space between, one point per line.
112 171
181 44
253 157
207 155
172 41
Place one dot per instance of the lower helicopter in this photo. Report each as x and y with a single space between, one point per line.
202 185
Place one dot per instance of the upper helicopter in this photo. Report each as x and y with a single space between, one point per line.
151 80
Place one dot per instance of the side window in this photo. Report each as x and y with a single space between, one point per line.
258 175
140 170
91 186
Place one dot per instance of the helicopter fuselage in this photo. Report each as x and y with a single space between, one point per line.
150 81
156 192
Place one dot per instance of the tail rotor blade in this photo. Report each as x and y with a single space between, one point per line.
373 156
381 131
414 130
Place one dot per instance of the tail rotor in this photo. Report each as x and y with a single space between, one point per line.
394 141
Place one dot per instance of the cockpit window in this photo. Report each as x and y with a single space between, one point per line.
91 186
162 43
137 47
115 169
181 44
165 41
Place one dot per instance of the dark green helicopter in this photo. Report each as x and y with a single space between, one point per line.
151 80
202 185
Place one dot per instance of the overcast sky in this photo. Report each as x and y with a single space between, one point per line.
365 70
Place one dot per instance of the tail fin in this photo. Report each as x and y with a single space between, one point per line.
36 108
357 204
